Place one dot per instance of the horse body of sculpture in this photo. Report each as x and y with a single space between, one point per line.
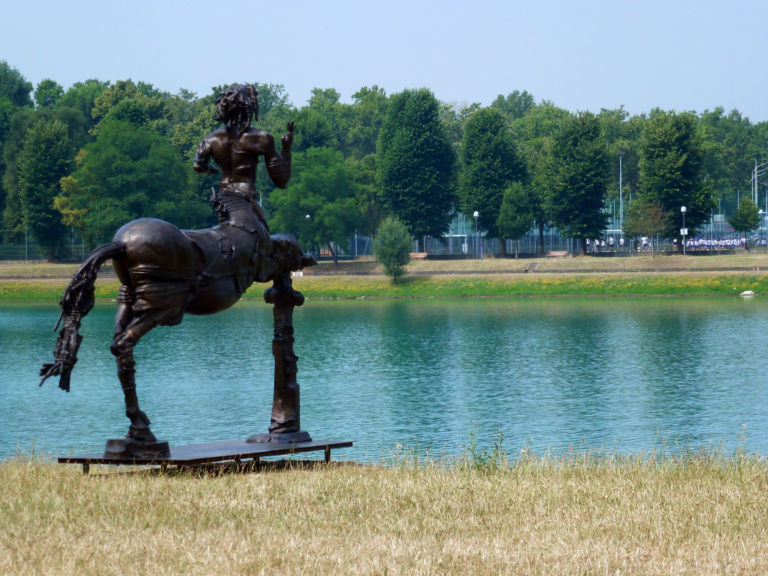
166 272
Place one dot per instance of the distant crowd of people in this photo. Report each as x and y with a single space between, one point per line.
646 244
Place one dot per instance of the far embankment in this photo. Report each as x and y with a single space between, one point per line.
359 279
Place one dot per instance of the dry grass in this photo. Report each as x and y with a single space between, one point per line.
738 261
574 514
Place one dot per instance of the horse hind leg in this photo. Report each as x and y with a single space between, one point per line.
130 327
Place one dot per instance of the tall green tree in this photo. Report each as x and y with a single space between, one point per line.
319 205
579 179
416 164
489 165
535 132
14 99
671 168
746 218
516 215
13 213
46 157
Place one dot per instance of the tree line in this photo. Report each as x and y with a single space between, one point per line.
99 154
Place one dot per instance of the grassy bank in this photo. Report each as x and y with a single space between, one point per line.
457 286
573 514
669 275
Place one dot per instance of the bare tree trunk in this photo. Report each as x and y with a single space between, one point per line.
502 248
517 244
334 255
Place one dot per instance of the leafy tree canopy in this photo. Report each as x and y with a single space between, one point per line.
416 163
579 179
13 86
319 205
127 172
47 93
746 217
46 157
670 168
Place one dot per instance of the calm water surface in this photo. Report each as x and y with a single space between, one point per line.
629 375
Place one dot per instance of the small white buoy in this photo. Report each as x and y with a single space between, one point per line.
747 294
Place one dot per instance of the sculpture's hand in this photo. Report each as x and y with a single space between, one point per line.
287 138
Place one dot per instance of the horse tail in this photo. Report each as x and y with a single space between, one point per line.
77 301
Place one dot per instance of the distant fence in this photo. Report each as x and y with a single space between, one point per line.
448 247
71 252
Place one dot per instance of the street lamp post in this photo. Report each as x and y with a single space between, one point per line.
683 230
477 252
621 196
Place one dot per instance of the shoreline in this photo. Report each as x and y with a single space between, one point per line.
720 275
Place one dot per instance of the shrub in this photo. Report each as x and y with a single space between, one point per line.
392 247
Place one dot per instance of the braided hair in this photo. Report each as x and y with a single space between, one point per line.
237 105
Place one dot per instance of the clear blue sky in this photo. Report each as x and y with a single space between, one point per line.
581 55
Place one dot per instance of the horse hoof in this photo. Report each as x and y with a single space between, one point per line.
140 434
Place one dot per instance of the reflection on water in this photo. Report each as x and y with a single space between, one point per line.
615 374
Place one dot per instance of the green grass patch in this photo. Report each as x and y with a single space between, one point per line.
517 285
458 286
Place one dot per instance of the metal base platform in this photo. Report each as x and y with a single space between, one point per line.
211 452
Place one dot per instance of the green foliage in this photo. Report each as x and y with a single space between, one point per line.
534 133
369 206
47 156
13 218
319 205
13 86
47 93
399 153
746 217
313 130
579 178
127 172
415 169
516 215
514 105
392 247
646 218
671 168
137 104
490 163
363 120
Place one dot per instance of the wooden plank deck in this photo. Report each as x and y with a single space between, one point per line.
211 452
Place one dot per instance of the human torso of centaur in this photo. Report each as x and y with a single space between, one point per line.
237 155
242 242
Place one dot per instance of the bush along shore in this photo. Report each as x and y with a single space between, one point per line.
456 286
480 513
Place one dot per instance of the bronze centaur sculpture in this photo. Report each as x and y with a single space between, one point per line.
166 272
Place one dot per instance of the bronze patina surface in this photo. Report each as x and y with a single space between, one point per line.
166 273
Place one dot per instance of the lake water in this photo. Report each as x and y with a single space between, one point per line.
626 375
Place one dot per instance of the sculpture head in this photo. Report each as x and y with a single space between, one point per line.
237 105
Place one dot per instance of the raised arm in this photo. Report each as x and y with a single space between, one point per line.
279 165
